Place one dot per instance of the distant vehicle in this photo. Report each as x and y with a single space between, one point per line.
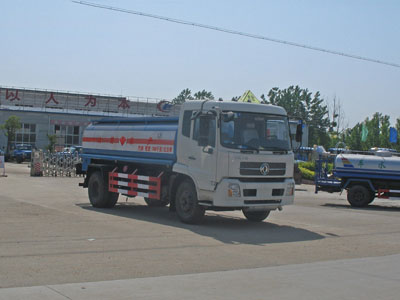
68 152
365 177
22 152
71 150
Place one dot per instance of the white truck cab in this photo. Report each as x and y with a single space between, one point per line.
238 155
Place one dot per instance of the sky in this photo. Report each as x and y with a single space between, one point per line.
60 45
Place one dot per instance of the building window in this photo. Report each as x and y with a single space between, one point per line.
67 135
26 135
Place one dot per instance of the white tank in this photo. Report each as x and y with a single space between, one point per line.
368 163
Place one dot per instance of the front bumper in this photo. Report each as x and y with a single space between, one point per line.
255 195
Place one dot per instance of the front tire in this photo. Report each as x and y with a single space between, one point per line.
99 195
187 207
256 216
359 196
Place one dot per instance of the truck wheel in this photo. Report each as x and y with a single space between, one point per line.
187 207
359 196
19 159
256 216
99 195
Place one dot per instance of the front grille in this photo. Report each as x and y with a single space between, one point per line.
253 168
262 201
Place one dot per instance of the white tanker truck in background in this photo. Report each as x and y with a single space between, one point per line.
214 156
365 176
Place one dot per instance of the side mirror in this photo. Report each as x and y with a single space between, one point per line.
299 133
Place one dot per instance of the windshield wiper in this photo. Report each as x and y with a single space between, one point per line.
248 147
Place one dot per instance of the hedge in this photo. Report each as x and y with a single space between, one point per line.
307 169
306 173
309 165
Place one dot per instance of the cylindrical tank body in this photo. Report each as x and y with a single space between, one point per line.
367 165
150 139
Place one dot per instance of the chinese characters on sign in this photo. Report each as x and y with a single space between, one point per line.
90 101
72 101
361 163
11 96
123 103
51 98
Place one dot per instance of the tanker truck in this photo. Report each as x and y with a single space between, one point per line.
365 177
214 156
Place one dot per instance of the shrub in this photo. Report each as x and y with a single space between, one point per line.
306 173
309 165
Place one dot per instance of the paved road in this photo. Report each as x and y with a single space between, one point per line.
50 235
360 278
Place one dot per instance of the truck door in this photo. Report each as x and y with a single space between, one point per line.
202 155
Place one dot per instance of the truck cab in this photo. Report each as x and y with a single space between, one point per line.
238 155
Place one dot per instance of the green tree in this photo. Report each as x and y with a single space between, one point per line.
52 141
353 137
397 126
384 132
373 139
200 95
10 126
186 94
378 133
301 103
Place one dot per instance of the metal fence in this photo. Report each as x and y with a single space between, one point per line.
57 164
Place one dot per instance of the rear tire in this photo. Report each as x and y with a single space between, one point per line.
256 216
359 196
187 207
19 159
99 195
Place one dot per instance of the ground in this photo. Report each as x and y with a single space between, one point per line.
50 235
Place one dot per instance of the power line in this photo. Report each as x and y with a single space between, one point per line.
250 35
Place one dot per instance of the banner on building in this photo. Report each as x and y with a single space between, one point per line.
364 133
393 135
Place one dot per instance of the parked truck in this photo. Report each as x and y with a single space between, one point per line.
21 152
214 156
365 177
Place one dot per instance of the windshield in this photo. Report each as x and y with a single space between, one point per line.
255 131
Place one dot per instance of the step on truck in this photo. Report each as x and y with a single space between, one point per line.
214 156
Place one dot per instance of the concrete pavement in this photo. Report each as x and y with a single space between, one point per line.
364 278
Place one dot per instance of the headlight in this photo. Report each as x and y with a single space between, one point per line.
233 190
290 189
